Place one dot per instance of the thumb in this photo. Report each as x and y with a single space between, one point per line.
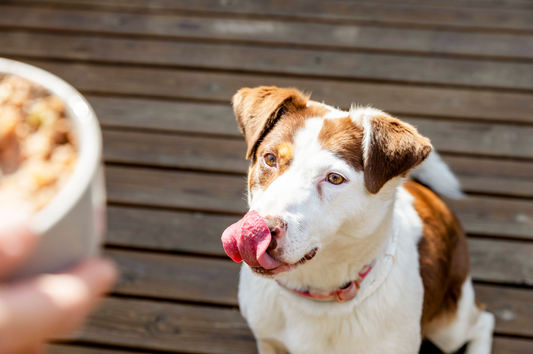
16 240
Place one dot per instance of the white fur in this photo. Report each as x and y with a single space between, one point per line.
436 174
471 325
350 227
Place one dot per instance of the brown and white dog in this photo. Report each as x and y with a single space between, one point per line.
342 253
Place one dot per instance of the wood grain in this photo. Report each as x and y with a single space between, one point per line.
194 279
218 119
366 13
477 138
153 325
150 325
210 154
336 12
478 175
501 345
401 100
167 230
186 278
187 190
142 4
502 261
495 216
512 346
309 62
176 277
405 40
167 116
512 308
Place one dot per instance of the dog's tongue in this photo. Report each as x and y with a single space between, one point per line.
248 240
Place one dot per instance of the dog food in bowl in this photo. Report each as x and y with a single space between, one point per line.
38 149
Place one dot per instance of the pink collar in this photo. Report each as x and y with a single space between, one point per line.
347 292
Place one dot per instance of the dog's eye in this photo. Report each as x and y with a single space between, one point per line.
270 160
335 178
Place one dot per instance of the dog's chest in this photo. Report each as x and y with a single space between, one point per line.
386 322
363 331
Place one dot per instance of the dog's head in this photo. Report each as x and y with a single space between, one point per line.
317 173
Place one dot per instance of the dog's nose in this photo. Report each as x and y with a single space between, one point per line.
277 229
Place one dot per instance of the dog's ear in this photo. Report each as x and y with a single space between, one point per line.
257 109
390 147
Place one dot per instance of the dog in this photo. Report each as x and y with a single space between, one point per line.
343 253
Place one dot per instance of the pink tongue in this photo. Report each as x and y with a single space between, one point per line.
248 240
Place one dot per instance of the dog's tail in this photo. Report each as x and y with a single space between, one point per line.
435 174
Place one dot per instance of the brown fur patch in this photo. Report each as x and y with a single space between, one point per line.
344 138
395 147
257 110
444 258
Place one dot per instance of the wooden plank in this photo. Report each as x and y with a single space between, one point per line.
477 138
199 118
153 326
208 280
336 12
512 308
216 281
499 261
157 325
501 345
218 119
211 154
225 155
495 216
204 192
141 5
478 175
167 230
77 349
150 325
512 346
176 277
401 100
272 32
309 62
186 190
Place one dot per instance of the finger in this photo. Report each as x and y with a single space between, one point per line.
35 349
16 241
50 305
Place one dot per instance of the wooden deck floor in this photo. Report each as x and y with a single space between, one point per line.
160 75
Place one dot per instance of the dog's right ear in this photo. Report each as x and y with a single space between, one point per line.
257 110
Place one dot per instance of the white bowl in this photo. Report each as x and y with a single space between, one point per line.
73 224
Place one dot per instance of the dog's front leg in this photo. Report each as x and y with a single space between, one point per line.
268 346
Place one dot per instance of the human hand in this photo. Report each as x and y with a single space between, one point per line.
48 305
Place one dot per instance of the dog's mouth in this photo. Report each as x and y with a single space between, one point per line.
285 267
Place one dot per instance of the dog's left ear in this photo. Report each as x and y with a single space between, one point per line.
390 147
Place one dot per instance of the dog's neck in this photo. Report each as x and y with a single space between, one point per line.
342 259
